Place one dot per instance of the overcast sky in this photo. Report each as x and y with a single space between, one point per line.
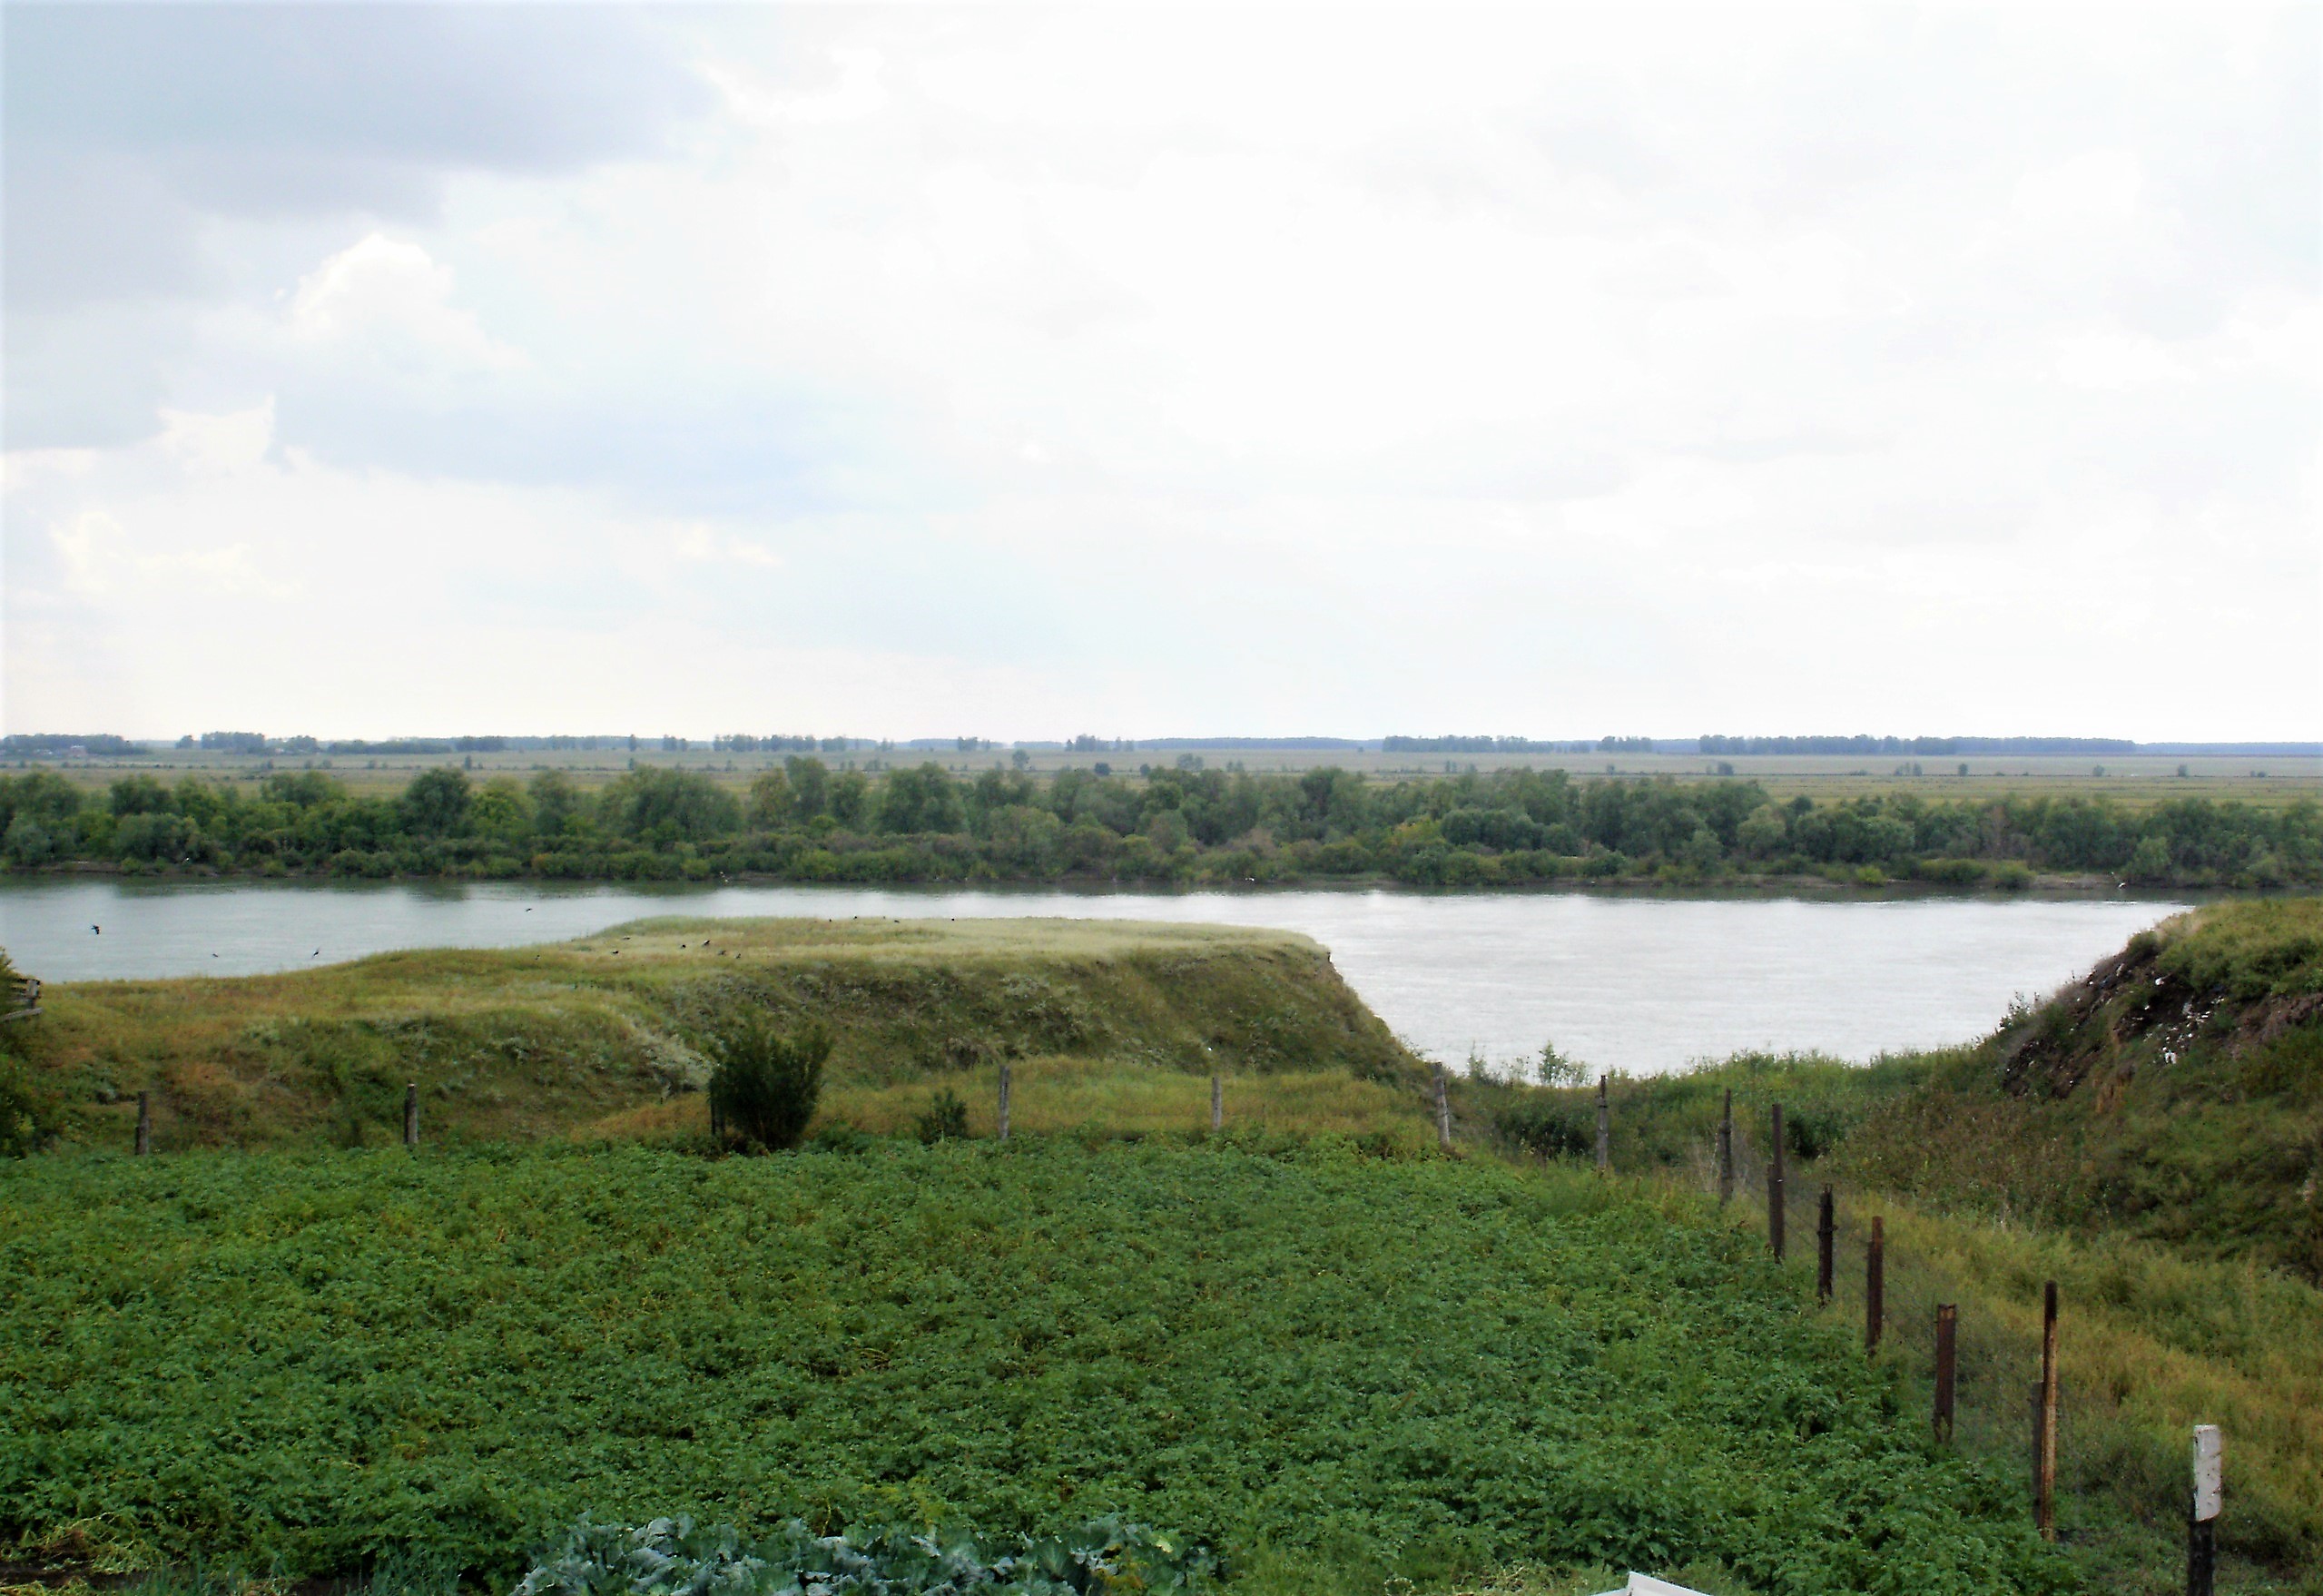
923 372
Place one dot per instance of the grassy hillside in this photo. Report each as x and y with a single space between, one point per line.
1335 1369
1116 1021
2175 1093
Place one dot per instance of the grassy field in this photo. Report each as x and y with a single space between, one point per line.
1336 1369
2269 782
1116 1022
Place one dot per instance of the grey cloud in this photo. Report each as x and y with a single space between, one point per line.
130 129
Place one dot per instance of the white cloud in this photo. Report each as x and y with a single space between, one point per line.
388 298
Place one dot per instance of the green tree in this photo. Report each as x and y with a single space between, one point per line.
434 802
138 795
810 785
771 804
501 812
556 800
668 806
850 799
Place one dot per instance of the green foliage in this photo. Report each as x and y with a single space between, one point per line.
673 1557
1335 1369
945 1119
766 1083
924 823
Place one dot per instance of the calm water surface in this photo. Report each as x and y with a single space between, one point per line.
1644 985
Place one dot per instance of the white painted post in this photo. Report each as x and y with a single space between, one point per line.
2210 1501
1444 1112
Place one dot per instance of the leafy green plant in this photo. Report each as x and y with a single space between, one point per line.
464 1352
674 1557
766 1084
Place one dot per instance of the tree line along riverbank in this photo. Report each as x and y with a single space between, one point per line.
807 823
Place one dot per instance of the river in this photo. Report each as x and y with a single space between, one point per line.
1638 983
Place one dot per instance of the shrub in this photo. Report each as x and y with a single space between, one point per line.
766 1084
946 1115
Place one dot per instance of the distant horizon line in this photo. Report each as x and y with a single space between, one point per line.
1707 745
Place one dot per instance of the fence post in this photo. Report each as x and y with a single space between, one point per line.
1775 1188
1826 1244
1604 1129
1875 1287
144 1124
1947 1364
1726 1151
411 1113
1217 1102
2210 1498
2045 1432
1004 1100
1444 1113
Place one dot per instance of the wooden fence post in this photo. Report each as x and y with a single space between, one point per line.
1726 1151
1775 1188
411 1113
1947 1364
2209 1498
1004 1100
1444 1112
2045 1431
1604 1129
1217 1102
144 1124
1826 1245
1875 1287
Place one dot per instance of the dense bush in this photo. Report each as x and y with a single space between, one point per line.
805 822
766 1083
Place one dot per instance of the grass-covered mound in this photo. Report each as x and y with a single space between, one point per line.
1331 1368
515 1044
2174 1093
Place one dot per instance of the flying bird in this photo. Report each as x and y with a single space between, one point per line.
98 929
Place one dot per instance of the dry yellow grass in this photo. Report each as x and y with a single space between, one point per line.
1066 1095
